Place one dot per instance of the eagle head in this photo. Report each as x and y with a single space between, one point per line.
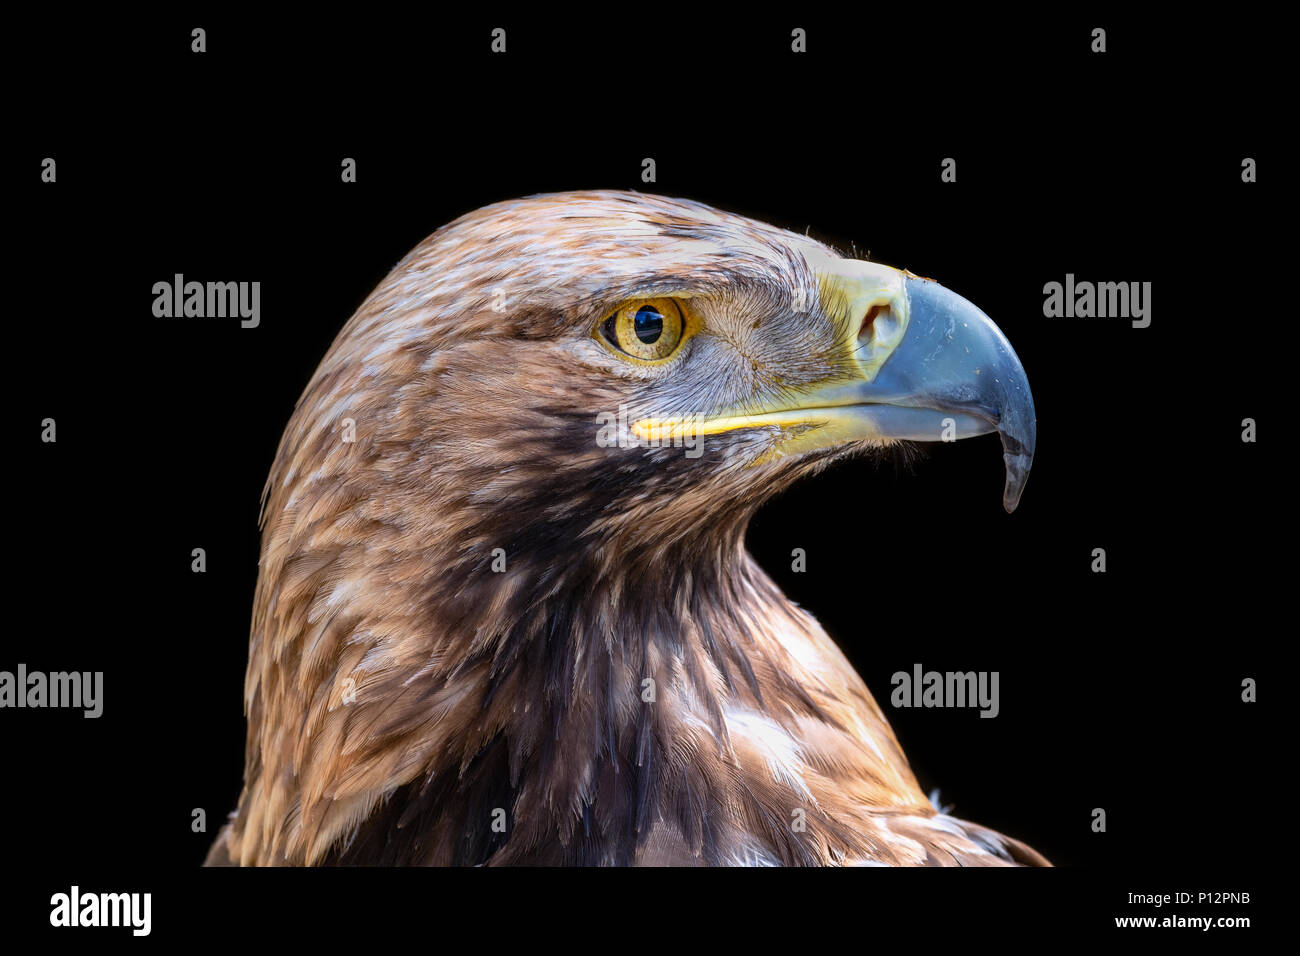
515 491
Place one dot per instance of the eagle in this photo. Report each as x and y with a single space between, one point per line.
505 614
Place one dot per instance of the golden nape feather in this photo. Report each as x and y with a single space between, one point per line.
505 614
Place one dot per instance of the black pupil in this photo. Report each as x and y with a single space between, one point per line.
649 324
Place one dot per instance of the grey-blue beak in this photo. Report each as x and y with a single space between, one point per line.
933 367
955 362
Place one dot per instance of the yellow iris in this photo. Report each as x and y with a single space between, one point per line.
649 330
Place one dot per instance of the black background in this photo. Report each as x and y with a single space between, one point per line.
1118 690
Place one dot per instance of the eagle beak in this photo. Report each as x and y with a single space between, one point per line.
932 367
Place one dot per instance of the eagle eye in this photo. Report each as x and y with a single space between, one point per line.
648 330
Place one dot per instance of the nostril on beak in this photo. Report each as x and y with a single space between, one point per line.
868 321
